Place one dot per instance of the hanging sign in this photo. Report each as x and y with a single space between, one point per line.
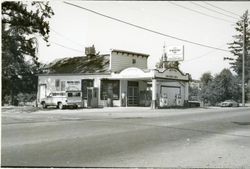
175 53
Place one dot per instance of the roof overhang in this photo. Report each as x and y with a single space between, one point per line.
70 74
173 74
133 73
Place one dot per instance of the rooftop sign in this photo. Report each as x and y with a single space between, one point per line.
175 53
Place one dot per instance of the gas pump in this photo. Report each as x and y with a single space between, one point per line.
178 100
164 101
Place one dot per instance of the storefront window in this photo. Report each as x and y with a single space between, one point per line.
74 94
110 89
57 84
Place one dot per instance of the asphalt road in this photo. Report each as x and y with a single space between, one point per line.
133 137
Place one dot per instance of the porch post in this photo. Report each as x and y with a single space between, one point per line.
186 92
154 91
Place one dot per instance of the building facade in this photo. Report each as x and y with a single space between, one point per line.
120 77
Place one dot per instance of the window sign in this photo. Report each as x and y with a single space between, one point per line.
73 82
73 85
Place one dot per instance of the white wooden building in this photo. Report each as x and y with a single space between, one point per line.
120 76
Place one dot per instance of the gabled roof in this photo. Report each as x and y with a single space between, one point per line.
79 64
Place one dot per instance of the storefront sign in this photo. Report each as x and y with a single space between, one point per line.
175 53
73 85
172 77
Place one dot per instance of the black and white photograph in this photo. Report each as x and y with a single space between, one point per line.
125 84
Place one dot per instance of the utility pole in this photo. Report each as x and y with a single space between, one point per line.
243 59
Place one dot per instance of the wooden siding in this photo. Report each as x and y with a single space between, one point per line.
120 61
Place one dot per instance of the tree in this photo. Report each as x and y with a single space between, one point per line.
167 64
194 92
228 86
21 23
206 87
236 48
206 78
222 87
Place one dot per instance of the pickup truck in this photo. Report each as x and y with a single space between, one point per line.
63 99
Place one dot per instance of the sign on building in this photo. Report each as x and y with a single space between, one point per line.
175 53
73 85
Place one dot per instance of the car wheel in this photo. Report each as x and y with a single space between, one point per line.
60 105
44 105
75 106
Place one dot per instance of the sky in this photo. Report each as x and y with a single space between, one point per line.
73 29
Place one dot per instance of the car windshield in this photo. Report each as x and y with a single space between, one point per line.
229 101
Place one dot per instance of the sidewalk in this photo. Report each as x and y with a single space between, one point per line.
16 115
133 111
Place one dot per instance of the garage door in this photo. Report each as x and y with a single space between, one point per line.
171 92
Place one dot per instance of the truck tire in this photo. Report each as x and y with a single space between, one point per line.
60 106
44 106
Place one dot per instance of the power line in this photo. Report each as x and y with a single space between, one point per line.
205 54
213 10
143 28
200 12
67 47
221 9
199 56
65 37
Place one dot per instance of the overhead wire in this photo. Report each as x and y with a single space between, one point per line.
69 48
221 8
65 37
205 54
143 28
212 10
200 12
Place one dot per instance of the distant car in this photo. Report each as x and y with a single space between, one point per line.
194 104
63 99
229 103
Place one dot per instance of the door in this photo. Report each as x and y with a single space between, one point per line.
133 93
89 97
42 92
85 84
171 93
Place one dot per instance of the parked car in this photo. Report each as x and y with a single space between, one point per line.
194 104
63 99
229 103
